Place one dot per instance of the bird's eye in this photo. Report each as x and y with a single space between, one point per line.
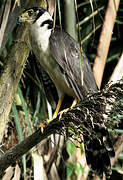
30 13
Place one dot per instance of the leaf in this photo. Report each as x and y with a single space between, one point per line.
82 148
118 21
17 173
77 169
82 170
70 168
8 173
70 147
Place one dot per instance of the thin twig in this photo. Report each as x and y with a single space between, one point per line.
91 16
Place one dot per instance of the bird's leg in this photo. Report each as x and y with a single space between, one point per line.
42 125
65 110
74 102
57 109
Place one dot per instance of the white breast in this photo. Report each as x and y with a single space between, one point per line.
39 38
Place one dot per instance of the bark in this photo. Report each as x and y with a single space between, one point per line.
105 39
11 74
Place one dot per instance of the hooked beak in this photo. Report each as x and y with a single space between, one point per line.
19 20
24 18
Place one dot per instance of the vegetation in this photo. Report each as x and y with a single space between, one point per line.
23 105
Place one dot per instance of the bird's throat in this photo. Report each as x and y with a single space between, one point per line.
41 36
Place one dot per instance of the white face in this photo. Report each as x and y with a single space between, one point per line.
46 16
40 31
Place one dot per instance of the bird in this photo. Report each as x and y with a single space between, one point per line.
59 55
61 58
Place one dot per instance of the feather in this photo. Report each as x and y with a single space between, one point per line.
69 59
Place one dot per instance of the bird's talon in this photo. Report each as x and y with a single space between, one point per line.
43 125
62 112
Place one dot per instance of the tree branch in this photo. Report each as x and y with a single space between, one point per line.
105 38
16 152
10 76
85 118
15 61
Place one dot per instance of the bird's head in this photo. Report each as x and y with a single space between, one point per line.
36 15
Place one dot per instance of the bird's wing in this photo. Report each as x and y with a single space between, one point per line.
41 76
66 52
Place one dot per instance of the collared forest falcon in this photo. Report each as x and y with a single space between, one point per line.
59 55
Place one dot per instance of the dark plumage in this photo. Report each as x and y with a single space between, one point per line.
78 74
60 56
